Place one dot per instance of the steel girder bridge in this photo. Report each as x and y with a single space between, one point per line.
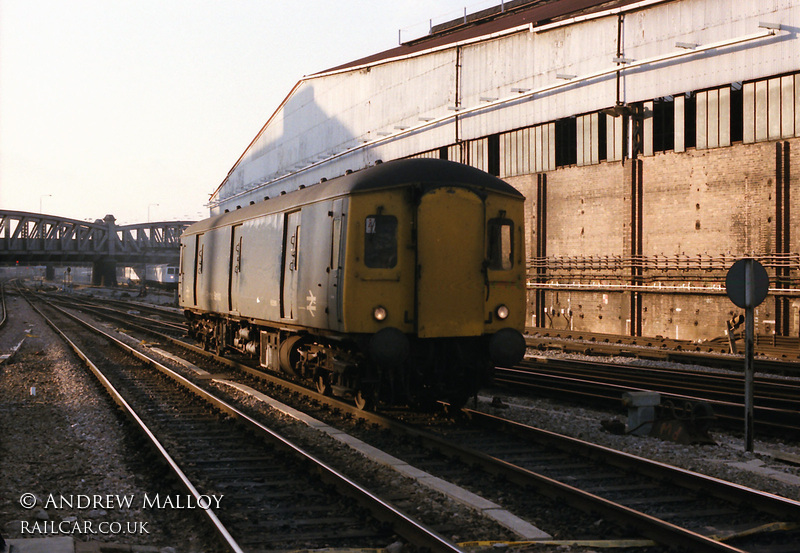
34 238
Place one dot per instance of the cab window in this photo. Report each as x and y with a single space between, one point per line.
380 241
501 244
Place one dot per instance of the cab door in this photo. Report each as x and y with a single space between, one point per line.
450 256
291 259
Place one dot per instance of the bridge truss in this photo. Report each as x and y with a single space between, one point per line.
27 238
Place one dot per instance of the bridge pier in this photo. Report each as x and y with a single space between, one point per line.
104 272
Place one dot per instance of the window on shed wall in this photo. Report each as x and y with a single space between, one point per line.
614 137
602 136
438 153
713 118
592 138
771 108
493 155
588 134
517 152
664 124
528 150
737 118
690 120
454 152
477 153
658 126
566 142
429 154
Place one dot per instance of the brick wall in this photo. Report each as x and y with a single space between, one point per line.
699 203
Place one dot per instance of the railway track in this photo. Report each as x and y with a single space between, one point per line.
671 506
547 470
774 354
266 493
152 317
628 490
777 401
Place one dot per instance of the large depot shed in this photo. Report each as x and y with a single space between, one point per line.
656 142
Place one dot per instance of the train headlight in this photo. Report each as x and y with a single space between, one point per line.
501 312
379 313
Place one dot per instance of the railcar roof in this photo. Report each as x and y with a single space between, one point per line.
392 174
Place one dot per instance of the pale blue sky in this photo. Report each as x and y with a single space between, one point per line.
113 106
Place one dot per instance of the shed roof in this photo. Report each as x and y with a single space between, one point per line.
487 22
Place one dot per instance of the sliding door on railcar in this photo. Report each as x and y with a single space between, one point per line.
187 289
211 276
291 259
335 273
235 269
198 290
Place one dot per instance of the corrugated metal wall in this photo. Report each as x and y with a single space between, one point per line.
466 93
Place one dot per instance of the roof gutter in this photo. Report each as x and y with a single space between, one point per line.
597 15
449 46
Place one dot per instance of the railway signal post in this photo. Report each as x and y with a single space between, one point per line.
747 284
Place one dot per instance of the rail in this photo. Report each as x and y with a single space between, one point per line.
403 524
3 304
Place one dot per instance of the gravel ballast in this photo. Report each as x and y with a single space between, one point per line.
59 435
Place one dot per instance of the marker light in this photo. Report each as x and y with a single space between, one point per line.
379 313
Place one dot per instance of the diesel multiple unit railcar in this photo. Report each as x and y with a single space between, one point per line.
402 282
162 275
156 274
